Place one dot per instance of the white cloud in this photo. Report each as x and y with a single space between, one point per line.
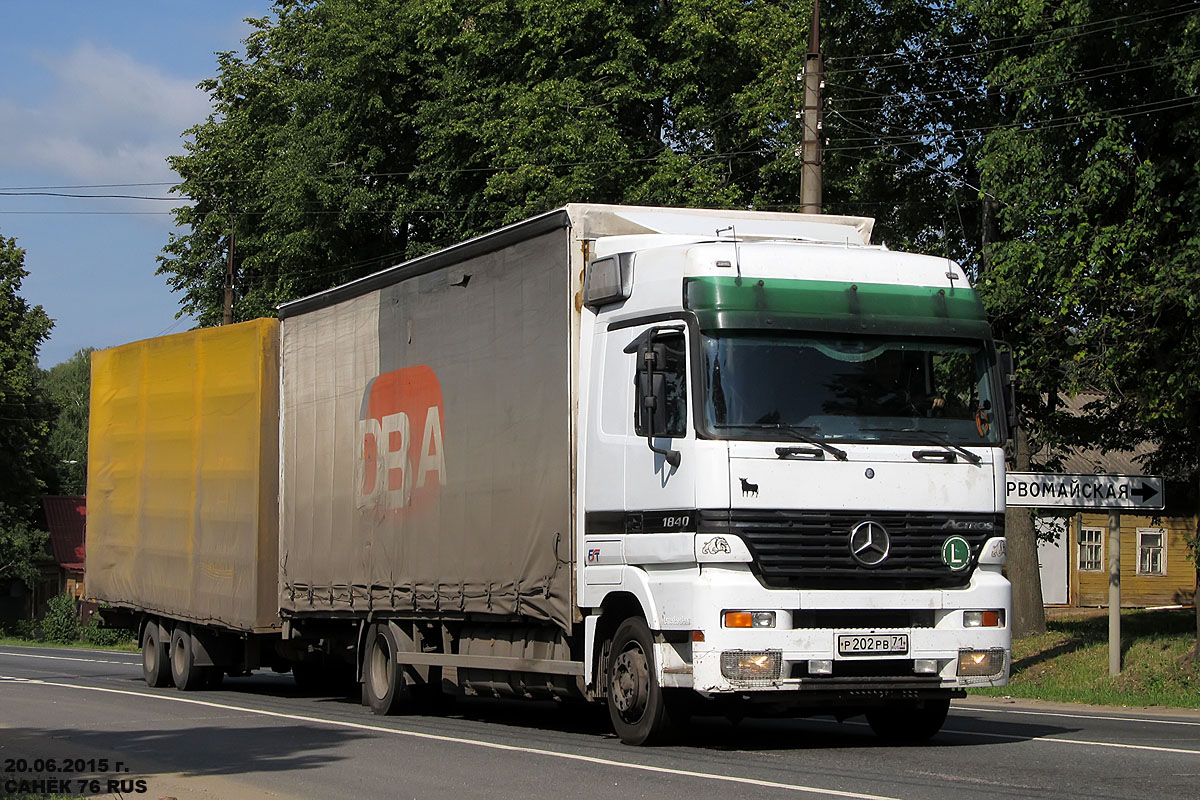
105 118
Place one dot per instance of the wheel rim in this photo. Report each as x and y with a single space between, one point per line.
149 653
179 657
631 682
381 668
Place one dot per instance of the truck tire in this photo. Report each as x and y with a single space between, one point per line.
909 724
187 675
386 686
637 705
156 662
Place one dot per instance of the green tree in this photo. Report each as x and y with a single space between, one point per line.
67 389
1094 273
23 426
352 135
905 96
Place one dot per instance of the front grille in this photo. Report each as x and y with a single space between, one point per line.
811 549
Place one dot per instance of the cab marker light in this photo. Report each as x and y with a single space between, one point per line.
983 619
749 619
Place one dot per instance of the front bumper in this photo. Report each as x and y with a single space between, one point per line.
801 652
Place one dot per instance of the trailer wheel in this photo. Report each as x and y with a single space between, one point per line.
385 683
187 676
156 666
637 706
909 724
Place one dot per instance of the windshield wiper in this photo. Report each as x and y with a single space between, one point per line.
937 438
795 432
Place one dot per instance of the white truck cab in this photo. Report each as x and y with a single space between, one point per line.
792 462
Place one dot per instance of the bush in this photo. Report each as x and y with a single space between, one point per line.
26 629
61 623
94 635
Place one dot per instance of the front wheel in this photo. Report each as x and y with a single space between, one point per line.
637 706
909 724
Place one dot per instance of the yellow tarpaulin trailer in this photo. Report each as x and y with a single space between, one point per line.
183 478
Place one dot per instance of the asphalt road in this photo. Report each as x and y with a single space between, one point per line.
63 712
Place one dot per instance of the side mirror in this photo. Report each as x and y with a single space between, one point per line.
652 389
652 386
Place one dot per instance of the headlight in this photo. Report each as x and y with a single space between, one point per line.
981 663
750 666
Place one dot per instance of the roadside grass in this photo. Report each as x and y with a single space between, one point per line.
1069 663
60 626
123 646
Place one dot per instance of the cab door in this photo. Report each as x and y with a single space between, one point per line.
660 470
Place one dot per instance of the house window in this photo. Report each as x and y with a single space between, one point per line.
1150 551
1091 550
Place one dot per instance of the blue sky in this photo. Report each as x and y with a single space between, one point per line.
98 92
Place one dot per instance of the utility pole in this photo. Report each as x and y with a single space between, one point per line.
227 318
814 71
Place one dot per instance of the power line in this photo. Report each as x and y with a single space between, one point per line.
964 93
1028 125
1168 13
85 196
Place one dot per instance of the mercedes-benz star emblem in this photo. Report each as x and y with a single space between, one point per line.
870 543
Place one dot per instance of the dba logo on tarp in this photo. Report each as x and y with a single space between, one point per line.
401 460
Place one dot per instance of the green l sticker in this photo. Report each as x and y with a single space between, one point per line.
956 553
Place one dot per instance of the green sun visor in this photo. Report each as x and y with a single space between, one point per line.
787 303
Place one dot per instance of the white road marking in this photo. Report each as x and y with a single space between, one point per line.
1016 738
1117 745
69 658
986 710
816 790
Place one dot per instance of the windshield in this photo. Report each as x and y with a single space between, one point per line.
839 386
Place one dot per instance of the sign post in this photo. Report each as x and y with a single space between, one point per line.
1114 593
1100 492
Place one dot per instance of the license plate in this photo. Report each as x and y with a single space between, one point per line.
872 644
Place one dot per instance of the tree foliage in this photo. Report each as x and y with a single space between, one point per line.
1096 272
352 135
904 98
23 426
67 389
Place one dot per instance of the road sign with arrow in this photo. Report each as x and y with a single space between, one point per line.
1058 490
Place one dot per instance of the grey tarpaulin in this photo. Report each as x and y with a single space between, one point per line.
427 442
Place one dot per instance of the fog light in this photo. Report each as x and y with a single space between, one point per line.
820 666
983 619
925 666
749 619
751 666
981 663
